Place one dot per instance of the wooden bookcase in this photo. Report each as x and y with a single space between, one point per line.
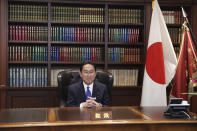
113 34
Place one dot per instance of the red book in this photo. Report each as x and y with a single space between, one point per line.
19 32
65 54
13 32
138 33
16 32
25 33
85 34
28 33
22 33
79 34
138 55
82 33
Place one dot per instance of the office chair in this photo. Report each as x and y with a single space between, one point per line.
65 78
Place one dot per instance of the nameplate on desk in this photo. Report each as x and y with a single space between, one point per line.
101 115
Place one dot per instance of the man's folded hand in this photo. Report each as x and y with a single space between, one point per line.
91 103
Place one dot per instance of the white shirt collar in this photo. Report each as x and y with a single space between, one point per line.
85 86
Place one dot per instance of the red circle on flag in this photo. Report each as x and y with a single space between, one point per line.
155 63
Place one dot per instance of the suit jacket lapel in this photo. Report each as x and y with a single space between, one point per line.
82 91
94 90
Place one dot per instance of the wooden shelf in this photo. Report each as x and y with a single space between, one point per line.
126 87
27 42
126 24
125 63
28 62
77 43
174 25
71 63
78 23
125 44
32 88
27 22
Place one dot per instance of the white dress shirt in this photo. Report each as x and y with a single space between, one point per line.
85 88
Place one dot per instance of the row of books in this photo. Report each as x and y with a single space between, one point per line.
122 77
28 12
173 17
175 34
28 53
82 14
27 76
37 76
81 34
28 33
122 54
76 54
125 77
77 14
118 15
77 34
126 35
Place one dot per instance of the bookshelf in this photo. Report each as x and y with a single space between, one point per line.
174 20
43 38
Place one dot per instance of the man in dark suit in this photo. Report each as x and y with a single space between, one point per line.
88 92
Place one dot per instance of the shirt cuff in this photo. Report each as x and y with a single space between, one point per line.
81 105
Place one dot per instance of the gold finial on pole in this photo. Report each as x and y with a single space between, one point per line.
153 3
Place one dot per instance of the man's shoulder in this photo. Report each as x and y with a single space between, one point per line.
99 84
76 84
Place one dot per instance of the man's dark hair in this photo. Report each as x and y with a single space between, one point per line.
85 63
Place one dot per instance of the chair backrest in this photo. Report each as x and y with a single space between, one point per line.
65 78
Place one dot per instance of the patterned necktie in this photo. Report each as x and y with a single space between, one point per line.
88 93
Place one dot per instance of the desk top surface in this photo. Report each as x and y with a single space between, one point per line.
75 116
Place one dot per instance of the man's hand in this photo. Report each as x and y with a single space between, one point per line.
91 103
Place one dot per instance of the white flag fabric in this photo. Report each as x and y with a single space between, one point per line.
160 62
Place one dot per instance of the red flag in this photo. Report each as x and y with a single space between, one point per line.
187 65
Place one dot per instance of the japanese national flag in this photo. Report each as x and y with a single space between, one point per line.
160 62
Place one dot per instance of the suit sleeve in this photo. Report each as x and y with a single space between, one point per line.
71 100
106 98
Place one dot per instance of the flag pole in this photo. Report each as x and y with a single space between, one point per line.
189 26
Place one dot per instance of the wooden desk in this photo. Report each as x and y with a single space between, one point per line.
76 119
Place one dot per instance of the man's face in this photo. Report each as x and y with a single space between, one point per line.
88 73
